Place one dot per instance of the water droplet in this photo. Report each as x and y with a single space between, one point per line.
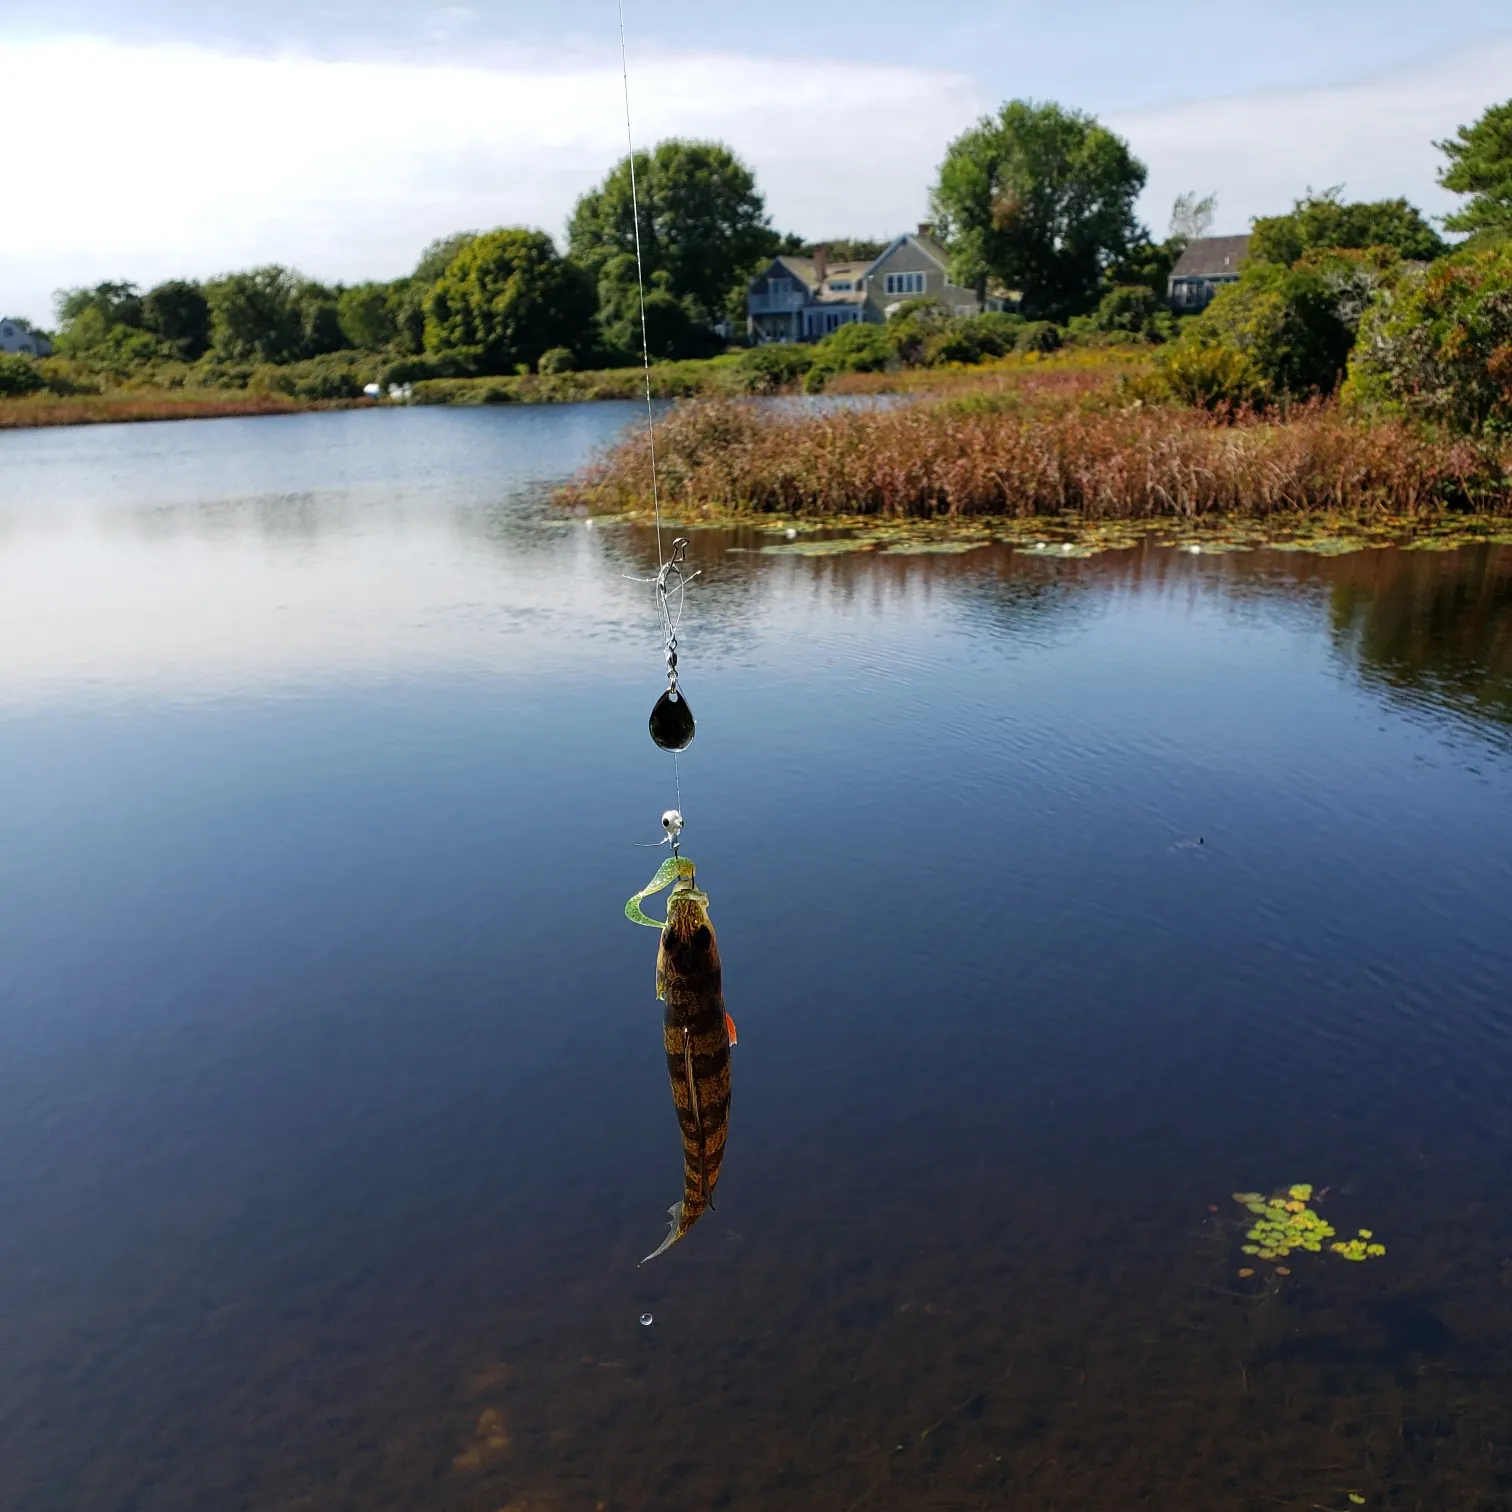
672 722
646 1320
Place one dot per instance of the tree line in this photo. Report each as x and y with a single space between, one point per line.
1037 199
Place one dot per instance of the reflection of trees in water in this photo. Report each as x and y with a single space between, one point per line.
1425 626
1430 625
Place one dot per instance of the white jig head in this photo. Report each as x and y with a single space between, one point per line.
672 822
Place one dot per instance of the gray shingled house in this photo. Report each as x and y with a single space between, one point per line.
1207 264
804 298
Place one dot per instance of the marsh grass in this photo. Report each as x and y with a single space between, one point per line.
145 404
1015 453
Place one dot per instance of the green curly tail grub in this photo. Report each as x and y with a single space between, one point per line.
673 868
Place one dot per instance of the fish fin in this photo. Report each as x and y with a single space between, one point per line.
675 1212
669 871
730 1029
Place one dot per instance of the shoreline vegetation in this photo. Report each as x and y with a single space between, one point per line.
128 405
1033 439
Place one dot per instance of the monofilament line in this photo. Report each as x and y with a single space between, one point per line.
640 292
640 287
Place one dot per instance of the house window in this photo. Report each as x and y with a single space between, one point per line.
903 283
841 285
778 288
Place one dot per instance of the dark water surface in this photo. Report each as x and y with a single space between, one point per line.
333 1108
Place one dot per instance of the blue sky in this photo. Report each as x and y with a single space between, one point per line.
198 135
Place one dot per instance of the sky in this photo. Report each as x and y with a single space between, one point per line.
183 138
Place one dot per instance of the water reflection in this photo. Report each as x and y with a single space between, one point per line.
334 1114
1430 627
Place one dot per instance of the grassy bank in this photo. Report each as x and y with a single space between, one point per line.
708 377
78 397
1021 454
149 404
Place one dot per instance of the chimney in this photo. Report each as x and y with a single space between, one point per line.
926 228
821 263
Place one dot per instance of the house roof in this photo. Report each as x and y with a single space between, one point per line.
802 268
1212 257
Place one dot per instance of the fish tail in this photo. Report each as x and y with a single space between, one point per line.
674 1233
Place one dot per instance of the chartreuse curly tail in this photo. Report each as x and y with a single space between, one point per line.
674 868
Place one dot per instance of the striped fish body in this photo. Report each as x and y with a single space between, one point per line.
696 1036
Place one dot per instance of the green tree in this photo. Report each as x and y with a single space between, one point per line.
178 314
507 297
671 331
1480 165
112 303
1277 330
1326 220
1440 346
254 315
409 294
319 313
843 249
702 223
368 316
1041 198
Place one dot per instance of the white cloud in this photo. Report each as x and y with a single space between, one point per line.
1261 151
178 160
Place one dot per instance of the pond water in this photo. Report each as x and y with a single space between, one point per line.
1057 900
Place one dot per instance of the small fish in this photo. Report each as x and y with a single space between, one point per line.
697 1034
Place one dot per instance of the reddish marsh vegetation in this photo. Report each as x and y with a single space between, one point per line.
984 458
173 404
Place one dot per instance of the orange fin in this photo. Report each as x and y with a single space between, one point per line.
730 1029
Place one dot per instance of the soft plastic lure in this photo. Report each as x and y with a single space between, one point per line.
696 1032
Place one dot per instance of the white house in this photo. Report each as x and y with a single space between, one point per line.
17 336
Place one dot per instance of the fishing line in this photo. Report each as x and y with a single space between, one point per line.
671 722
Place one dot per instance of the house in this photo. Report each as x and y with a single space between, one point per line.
17 336
1208 263
805 298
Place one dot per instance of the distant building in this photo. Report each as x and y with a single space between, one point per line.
1207 264
17 336
804 298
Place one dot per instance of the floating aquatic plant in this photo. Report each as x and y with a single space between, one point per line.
1285 1222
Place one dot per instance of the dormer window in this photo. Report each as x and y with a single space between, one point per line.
841 285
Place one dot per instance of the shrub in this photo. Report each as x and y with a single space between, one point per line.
1038 336
328 385
975 338
1439 344
1210 377
557 360
1132 310
855 348
1284 323
453 364
18 376
915 327
765 369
